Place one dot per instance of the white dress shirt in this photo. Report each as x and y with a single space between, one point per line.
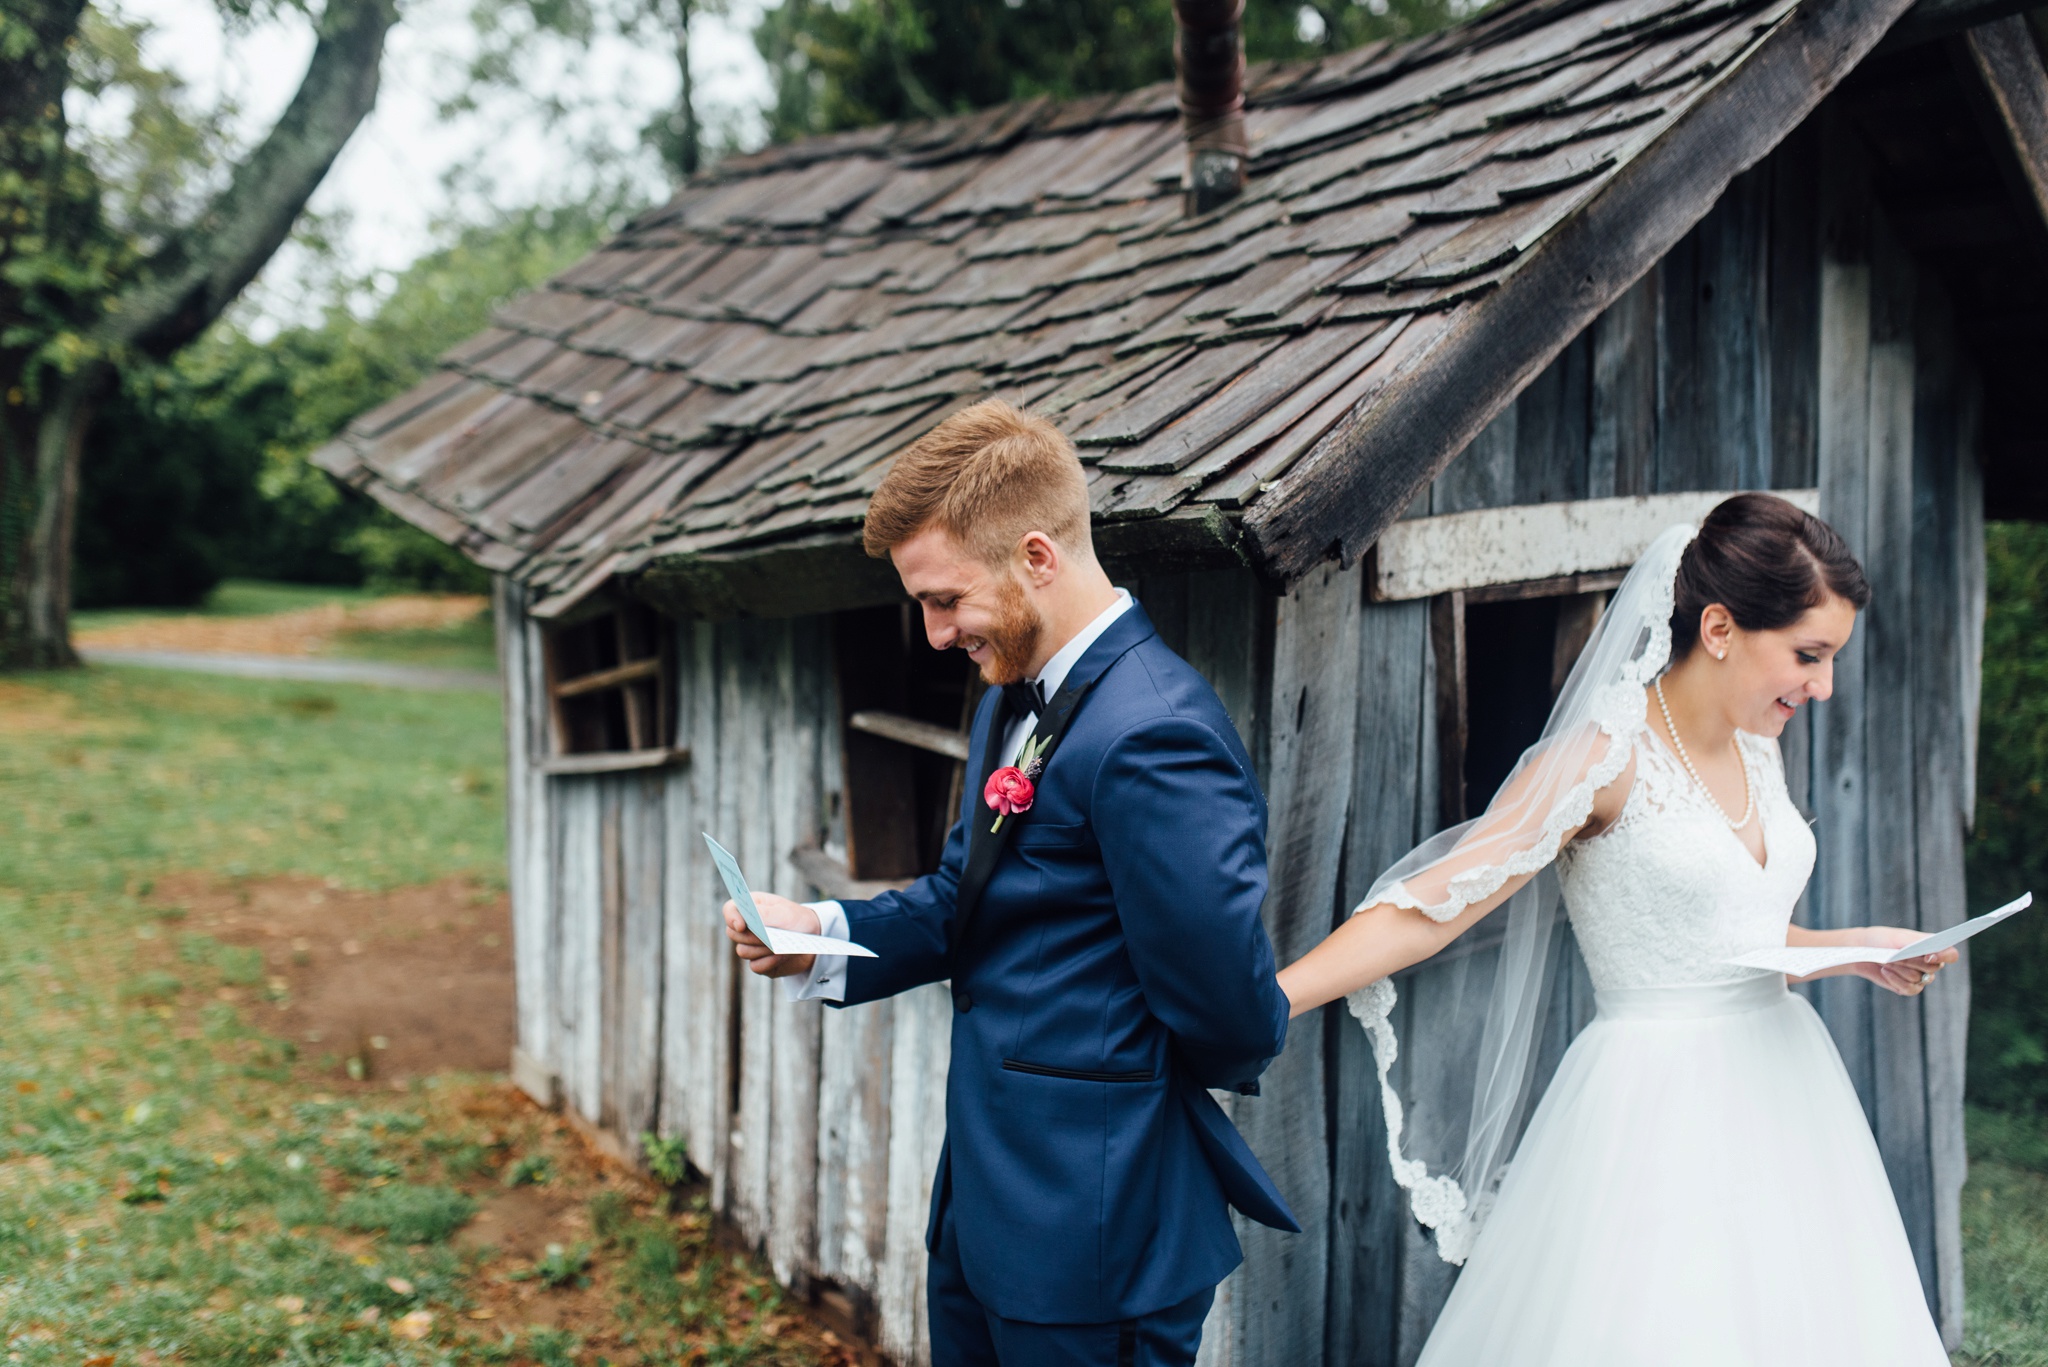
827 978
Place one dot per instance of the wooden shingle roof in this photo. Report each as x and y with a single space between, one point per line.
725 382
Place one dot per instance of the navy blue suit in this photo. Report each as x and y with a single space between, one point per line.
1111 968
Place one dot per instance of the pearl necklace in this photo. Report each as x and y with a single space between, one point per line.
1748 793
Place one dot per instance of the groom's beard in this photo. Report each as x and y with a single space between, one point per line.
1012 637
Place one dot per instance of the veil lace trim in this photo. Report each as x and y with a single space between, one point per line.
1620 711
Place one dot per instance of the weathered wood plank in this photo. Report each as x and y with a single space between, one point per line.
579 920
1387 818
1280 1295
1892 635
1230 640
1840 892
854 1056
636 1012
1794 333
1486 547
800 693
910 731
1938 607
527 827
747 812
920 1052
611 916
2008 67
1712 419
704 1020
1622 432
1551 428
1483 475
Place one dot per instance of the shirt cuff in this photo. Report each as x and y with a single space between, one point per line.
827 979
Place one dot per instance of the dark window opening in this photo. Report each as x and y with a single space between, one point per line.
1501 659
608 683
904 709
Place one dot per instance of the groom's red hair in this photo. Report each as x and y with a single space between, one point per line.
987 475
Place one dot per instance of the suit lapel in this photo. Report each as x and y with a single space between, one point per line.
984 846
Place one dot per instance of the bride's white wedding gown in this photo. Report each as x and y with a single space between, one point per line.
1698 1184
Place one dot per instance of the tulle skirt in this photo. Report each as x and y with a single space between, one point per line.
1697 1186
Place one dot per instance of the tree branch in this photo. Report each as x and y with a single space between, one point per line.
202 267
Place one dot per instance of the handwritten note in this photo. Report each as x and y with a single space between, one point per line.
775 937
1801 960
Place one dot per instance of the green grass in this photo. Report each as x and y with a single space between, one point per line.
116 775
2005 1242
176 1185
466 645
233 598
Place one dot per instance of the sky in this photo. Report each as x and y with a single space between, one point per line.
389 180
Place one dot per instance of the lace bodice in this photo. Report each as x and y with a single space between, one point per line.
1668 893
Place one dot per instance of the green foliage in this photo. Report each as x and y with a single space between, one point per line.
407 1212
2005 1242
533 1170
557 1266
839 64
667 1159
2008 1048
610 1214
197 468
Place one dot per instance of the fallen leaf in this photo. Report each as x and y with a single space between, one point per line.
483 1314
415 1325
291 1305
99 1360
399 1284
27 1085
371 1314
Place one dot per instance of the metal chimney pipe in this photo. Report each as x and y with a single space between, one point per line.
1208 55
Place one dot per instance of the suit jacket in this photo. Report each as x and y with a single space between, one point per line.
1111 968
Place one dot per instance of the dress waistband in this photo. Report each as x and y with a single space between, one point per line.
1679 1003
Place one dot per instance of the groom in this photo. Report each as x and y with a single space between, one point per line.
1097 912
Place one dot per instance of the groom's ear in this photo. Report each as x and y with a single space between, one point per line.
1040 559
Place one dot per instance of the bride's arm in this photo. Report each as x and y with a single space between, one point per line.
1908 977
1378 940
1382 938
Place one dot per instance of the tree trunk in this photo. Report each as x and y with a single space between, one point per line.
38 503
64 337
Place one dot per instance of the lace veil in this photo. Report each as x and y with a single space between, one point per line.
1586 744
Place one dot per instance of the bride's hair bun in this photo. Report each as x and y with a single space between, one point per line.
1767 562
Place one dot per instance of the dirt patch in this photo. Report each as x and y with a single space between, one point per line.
515 1228
370 986
26 710
309 631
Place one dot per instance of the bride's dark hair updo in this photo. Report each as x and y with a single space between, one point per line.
1767 562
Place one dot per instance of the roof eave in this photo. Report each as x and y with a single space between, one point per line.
829 572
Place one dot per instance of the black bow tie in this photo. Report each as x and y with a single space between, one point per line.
1025 698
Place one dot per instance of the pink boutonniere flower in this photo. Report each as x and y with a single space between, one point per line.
1010 789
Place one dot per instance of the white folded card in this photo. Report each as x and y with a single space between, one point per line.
780 940
1801 960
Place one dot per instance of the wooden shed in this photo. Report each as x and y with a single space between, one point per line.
1369 442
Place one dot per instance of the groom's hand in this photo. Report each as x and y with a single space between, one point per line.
779 912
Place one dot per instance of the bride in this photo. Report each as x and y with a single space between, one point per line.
1698 1183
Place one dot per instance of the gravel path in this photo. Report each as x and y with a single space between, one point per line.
293 667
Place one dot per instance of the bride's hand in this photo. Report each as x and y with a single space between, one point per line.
1907 977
